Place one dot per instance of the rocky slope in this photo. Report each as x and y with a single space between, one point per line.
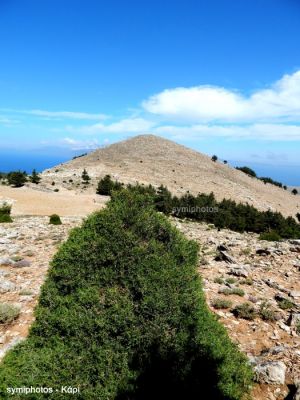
237 268
151 159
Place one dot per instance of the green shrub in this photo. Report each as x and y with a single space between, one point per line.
54 219
285 304
270 236
221 303
266 312
247 281
247 171
35 177
272 182
8 313
16 178
5 210
245 311
219 280
5 218
230 280
236 291
106 185
122 315
85 177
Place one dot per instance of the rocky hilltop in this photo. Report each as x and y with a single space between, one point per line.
151 159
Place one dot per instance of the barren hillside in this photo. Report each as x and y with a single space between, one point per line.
152 159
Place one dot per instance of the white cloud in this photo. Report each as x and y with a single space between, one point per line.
216 104
271 132
128 125
7 121
59 114
74 144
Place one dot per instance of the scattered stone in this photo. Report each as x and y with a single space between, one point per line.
295 242
6 286
224 256
270 372
263 252
241 270
22 264
222 247
6 261
294 294
294 319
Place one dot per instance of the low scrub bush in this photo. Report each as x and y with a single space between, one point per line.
8 313
236 291
270 236
54 219
245 311
221 304
285 304
266 312
122 315
5 210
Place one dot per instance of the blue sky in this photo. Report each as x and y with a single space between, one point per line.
220 76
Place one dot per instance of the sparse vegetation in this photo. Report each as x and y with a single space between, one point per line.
247 281
16 178
214 158
266 312
54 219
219 280
295 191
272 182
35 177
252 173
5 210
230 280
26 292
8 313
270 236
85 177
220 304
80 155
245 311
247 171
246 251
122 314
234 291
285 304
106 185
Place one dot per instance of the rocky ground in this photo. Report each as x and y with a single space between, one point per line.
26 247
236 269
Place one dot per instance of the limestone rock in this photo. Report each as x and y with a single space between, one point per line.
270 372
